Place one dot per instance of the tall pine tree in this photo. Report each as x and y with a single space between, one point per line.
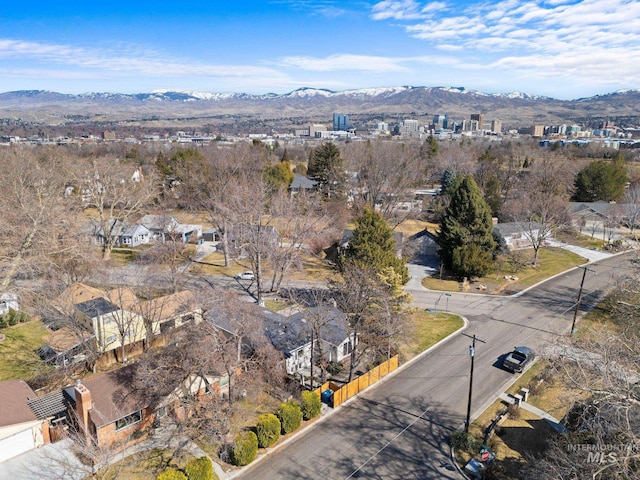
372 244
466 231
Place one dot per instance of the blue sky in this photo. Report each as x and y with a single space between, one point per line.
560 48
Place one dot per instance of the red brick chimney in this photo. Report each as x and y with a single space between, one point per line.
83 405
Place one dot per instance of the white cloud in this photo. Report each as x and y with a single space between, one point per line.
555 38
397 10
343 62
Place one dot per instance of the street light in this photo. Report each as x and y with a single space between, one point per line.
575 313
472 354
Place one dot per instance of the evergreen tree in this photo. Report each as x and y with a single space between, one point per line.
430 148
372 244
324 162
279 176
447 181
466 231
601 180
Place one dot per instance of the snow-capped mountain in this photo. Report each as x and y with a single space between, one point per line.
514 107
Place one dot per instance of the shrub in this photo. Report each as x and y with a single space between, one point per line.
462 441
245 448
311 405
334 367
3 323
12 317
514 411
199 469
172 474
268 430
290 416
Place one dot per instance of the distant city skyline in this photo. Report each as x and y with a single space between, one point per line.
564 49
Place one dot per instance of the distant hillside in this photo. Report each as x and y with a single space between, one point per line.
514 109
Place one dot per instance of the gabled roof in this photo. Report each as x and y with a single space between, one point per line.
509 228
168 305
301 182
290 333
287 333
113 395
76 293
14 395
134 229
159 222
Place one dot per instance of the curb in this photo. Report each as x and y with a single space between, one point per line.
323 418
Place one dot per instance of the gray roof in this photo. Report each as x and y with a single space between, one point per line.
290 333
601 207
509 228
301 182
95 307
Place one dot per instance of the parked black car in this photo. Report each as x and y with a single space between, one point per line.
517 360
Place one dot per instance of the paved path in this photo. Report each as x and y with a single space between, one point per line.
588 253
553 421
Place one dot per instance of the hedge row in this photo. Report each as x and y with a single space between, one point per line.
196 469
287 419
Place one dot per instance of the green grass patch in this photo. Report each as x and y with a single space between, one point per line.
551 261
18 358
427 329
275 305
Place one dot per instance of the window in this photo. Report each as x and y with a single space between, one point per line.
187 319
346 349
111 338
131 333
129 420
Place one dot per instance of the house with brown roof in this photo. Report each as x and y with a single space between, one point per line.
20 428
108 410
118 316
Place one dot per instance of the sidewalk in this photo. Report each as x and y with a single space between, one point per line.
167 436
553 421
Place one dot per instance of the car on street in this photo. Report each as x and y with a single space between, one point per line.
518 359
248 275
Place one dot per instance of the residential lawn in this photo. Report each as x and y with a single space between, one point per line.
551 261
275 305
313 268
145 465
411 227
528 434
583 239
427 330
18 359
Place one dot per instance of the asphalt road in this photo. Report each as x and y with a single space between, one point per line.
399 428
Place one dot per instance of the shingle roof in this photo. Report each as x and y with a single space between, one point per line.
114 396
14 395
509 228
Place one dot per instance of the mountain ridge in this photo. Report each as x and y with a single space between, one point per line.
514 109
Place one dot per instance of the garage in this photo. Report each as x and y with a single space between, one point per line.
18 443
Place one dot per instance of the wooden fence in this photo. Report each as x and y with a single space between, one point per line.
342 393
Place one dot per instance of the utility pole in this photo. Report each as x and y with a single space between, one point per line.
472 352
575 313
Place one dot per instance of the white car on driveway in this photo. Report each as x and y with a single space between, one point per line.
248 275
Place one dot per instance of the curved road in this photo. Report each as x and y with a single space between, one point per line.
399 428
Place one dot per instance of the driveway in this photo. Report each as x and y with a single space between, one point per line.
53 461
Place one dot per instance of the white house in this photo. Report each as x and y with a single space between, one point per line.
292 336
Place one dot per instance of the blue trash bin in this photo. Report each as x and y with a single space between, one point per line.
327 397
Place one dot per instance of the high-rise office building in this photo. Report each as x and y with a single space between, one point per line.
478 117
340 122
